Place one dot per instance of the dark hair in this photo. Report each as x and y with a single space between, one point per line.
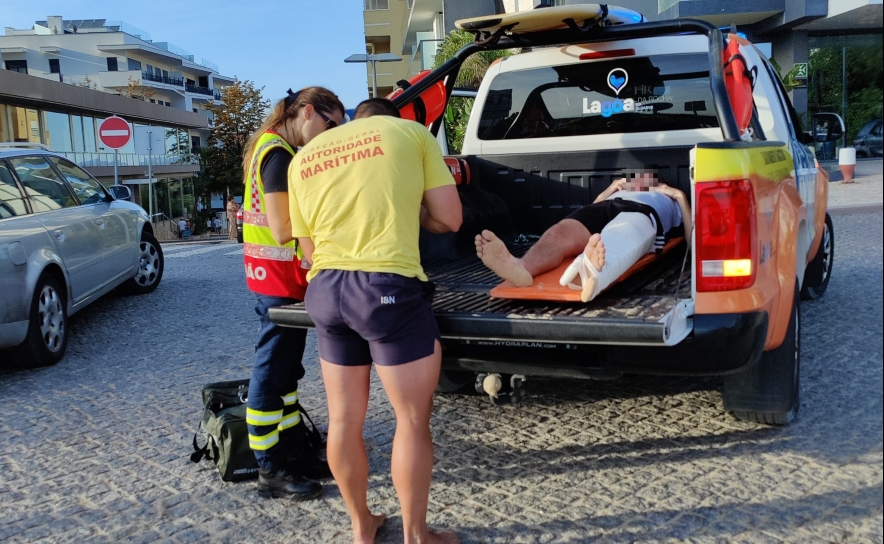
376 106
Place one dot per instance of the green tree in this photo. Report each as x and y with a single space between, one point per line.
470 76
239 113
865 84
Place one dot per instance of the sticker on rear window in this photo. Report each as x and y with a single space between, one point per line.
617 79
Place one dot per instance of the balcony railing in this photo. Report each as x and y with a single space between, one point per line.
88 160
197 89
176 81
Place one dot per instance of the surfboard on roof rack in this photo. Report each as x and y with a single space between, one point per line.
552 18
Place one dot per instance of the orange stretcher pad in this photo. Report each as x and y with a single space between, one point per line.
546 286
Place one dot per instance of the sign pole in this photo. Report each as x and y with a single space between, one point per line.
116 166
149 176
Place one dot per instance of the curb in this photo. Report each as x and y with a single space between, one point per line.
190 242
853 210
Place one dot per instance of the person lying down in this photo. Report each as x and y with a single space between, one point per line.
628 219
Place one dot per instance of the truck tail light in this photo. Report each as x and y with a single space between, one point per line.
726 236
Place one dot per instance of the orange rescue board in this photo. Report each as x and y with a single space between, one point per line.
546 286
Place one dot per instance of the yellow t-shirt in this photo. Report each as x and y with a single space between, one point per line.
356 192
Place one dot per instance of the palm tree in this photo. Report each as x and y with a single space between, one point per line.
470 76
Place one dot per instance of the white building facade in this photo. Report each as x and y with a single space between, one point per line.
116 58
61 78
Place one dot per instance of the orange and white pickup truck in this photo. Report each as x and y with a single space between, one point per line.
585 97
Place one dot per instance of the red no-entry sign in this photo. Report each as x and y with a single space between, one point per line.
114 132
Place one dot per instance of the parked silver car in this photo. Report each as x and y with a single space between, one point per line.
64 242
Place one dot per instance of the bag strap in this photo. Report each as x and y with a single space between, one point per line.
199 453
314 437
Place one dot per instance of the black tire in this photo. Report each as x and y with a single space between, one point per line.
456 381
769 392
818 272
47 337
150 267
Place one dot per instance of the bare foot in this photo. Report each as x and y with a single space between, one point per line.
497 257
595 252
367 536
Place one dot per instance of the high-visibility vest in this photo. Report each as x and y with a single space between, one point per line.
271 269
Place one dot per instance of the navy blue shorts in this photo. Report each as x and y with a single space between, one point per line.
365 317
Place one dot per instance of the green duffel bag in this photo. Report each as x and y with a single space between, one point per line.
224 430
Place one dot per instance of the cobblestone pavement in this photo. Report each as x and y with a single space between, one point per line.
95 449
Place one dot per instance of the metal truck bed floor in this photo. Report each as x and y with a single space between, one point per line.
629 313
462 287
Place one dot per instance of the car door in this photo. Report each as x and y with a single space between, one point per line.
805 163
116 224
70 225
17 229
874 140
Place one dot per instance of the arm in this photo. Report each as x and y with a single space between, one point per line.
441 210
278 217
617 185
274 172
307 249
680 198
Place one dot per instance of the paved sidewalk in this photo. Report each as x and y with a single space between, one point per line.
864 191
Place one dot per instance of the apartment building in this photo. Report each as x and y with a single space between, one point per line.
63 77
412 29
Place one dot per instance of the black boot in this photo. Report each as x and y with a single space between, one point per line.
284 484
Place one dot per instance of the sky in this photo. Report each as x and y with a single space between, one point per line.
274 43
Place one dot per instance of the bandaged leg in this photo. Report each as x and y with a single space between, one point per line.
625 239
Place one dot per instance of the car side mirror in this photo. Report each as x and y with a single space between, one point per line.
120 192
827 127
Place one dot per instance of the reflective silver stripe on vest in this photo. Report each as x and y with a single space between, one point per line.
256 219
271 253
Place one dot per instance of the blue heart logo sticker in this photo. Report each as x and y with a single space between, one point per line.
617 79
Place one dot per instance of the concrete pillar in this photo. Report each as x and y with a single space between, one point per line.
789 47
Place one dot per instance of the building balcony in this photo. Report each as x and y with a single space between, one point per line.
198 90
123 78
421 18
157 78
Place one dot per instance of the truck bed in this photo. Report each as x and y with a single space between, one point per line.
629 313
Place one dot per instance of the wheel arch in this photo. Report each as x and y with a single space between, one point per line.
57 273
791 242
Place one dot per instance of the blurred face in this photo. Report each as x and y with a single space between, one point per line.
316 122
643 181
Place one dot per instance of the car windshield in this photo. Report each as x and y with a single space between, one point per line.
636 94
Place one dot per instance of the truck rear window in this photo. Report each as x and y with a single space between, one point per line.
638 94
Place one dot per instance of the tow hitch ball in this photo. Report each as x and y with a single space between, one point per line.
500 390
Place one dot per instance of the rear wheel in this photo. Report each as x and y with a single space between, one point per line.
768 392
150 266
47 337
818 272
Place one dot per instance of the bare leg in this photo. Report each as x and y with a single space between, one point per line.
564 239
410 389
497 257
595 252
347 390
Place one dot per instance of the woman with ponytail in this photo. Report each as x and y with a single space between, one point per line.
288 465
